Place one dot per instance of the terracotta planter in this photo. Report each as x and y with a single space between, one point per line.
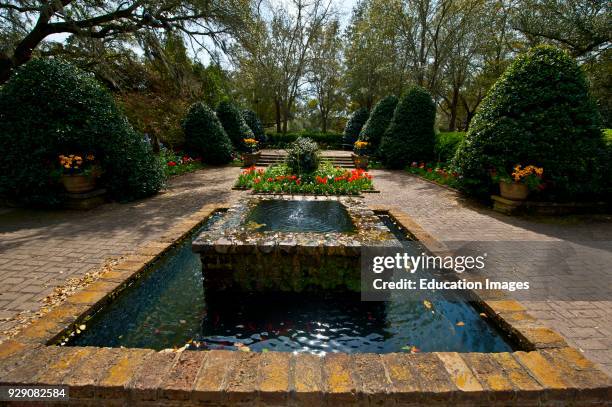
513 191
250 159
78 183
361 161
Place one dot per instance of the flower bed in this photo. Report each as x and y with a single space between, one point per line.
326 180
435 172
177 163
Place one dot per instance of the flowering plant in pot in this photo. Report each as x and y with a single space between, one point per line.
78 172
360 156
520 182
252 153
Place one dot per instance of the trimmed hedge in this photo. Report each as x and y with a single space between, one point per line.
332 141
233 124
376 125
50 107
354 126
446 145
303 156
205 136
410 135
251 119
539 112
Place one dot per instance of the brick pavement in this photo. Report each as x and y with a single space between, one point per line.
42 249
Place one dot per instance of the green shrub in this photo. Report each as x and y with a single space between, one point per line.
303 156
251 119
410 135
324 140
354 125
50 107
374 128
233 123
539 112
446 145
205 136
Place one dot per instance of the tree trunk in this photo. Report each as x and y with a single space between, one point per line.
452 122
277 108
324 123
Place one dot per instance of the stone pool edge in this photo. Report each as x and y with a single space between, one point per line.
547 371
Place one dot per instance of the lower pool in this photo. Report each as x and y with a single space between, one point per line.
167 308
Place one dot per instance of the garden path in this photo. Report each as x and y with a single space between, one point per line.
42 249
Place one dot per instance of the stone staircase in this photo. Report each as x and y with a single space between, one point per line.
267 159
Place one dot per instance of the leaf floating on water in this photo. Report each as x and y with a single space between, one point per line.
182 321
414 349
82 327
460 323
427 304
406 348
264 350
254 225
483 315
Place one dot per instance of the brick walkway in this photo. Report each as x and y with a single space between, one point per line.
40 250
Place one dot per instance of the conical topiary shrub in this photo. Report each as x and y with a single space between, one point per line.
376 125
205 136
251 119
354 125
410 135
48 108
539 112
233 123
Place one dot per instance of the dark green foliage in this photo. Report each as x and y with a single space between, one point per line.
205 136
50 108
374 128
446 145
303 156
410 135
251 119
324 140
539 112
233 123
354 125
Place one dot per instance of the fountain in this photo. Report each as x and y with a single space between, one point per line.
282 244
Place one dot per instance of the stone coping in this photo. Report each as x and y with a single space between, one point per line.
546 371
233 235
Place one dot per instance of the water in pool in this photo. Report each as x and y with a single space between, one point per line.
301 216
168 309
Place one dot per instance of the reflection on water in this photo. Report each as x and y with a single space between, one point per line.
167 309
300 216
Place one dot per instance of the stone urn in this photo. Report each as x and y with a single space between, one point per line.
513 190
78 183
360 161
250 159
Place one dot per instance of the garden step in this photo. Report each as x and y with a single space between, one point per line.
337 160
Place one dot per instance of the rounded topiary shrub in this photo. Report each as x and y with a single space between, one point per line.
303 156
539 112
410 135
251 119
354 126
374 128
50 107
205 136
233 123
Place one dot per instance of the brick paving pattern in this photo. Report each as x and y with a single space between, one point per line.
42 249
